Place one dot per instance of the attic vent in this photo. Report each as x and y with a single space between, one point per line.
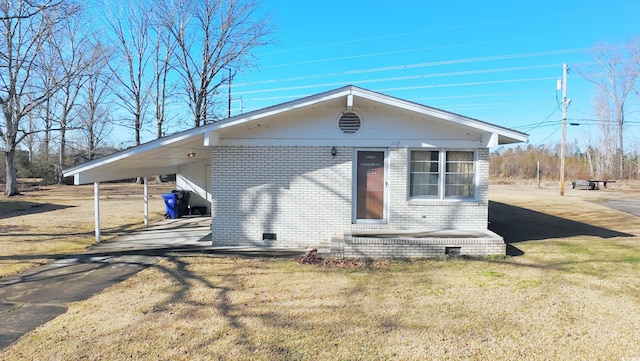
349 123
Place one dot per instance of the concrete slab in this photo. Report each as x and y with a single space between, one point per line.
630 206
24 318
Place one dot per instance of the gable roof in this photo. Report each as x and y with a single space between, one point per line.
166 155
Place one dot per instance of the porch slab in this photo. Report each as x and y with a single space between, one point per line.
378 243
428 234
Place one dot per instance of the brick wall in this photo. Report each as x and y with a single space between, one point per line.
366 247
303 195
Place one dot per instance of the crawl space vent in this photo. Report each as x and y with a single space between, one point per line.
269 237
452 251
349 123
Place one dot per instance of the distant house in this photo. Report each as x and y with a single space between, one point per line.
353 172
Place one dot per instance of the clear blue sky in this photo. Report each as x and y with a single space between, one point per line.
495 61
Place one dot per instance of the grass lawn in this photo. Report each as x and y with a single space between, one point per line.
565 298
46 222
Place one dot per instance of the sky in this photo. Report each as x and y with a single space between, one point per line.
495 61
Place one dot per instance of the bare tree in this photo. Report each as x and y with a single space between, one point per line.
49 72
26 30
131 25
72 46
606 150
616 76
95 115
163 55
211 36
35 9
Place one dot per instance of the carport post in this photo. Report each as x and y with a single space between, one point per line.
146 200
96 208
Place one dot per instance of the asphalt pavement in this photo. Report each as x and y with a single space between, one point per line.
39 295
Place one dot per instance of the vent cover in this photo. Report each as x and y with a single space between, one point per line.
349 123
269 237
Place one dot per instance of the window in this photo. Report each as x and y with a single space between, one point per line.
459 175
442 174
425 174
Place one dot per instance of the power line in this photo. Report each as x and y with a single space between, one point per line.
458 27
421 65
409 77
310 86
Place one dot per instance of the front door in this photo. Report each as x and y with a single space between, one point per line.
370 181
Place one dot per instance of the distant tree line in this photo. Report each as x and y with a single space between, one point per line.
524 162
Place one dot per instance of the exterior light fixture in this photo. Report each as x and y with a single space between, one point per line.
191 155
334 152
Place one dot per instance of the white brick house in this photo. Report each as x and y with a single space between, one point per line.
353 172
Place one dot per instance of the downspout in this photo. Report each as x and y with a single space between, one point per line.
96 208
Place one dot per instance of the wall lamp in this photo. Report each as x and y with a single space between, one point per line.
334 152
191 155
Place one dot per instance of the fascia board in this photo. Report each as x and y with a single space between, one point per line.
440 114
94 175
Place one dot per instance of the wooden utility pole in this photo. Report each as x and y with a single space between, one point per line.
229 114
565 104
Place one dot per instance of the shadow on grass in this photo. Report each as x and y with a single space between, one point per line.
32 237
21 208
516 224
72 278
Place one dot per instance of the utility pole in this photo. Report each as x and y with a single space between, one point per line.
565 104
229 93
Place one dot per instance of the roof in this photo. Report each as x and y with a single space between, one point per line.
166 155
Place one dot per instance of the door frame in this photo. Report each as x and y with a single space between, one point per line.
354 190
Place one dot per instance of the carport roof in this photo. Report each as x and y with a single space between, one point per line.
166 155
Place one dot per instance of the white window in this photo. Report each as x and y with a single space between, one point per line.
442 174
425 174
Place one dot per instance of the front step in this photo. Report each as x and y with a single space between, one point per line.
337 245
324 248
332 248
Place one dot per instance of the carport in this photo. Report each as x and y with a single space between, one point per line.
186 154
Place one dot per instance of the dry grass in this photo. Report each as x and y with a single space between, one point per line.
45 222
564 299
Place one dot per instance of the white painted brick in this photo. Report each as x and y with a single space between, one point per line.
303 195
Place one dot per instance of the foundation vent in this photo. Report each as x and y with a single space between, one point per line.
269 237
452 251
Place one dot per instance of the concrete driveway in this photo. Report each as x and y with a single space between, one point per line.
37 296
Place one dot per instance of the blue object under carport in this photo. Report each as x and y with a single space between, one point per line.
172 205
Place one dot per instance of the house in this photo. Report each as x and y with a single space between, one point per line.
353 172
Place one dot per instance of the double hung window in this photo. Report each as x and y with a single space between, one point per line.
442 174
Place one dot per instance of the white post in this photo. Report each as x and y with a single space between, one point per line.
96 208
146 200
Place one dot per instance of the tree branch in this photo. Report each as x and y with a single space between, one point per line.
39 8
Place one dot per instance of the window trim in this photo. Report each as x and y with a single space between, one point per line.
442 173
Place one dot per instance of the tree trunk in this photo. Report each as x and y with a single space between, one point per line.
11 187
621 139
63 154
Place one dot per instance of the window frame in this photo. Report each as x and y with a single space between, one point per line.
442 175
